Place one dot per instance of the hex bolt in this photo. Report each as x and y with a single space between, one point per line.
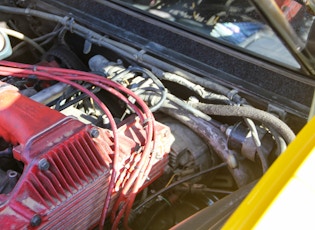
43 164
12 174
36 220
94 133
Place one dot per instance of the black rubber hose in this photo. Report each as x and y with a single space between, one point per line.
215 87
198 89
249 112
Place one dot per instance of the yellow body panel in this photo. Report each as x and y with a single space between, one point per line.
284 198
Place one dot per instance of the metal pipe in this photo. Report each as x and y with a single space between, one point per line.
50 94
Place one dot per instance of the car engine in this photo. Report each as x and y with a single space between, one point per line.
97 132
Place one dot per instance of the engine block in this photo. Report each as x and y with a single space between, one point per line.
67 164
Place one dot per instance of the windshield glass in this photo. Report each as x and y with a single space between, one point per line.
236 23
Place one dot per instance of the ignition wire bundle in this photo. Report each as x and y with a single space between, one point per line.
143 167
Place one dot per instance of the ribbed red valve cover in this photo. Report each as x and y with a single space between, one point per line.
66 169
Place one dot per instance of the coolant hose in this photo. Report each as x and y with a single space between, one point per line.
245 111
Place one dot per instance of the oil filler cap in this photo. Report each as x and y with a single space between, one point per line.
5 46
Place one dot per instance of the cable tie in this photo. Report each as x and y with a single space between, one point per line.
71 23
100 41
34 68
68 23
139 56
64 21
232 93
27 11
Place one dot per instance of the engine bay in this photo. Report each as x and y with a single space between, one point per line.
98 131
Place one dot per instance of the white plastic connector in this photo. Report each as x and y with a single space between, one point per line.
5 45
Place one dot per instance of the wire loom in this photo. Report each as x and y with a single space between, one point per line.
122 207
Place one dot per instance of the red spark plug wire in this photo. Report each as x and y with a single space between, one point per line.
143 167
